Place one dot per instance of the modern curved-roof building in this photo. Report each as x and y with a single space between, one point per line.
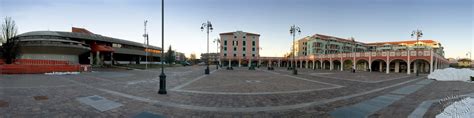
82 47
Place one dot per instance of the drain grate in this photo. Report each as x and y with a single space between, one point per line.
41 97
3 103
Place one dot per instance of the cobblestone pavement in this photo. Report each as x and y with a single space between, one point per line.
223 93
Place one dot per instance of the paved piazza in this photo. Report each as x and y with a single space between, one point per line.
223 93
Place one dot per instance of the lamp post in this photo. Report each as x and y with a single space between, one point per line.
207 26
217 41
145 35
418 34
293 30
162 89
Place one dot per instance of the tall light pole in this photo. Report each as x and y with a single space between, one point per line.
207 26
418 34
293 30
145 35
162 89
217 41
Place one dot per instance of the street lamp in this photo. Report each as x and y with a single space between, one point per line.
418 34
207 26
293 30
145 35
217 41
353 54
162 89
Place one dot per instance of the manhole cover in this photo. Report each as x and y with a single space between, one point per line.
41 97
3 103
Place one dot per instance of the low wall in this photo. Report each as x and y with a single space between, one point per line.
29 66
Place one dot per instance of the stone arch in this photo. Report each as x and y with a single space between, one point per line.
398 66
422 65
326 64
347 64
362 65
336 65
378 65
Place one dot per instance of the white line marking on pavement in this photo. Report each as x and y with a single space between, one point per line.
191 81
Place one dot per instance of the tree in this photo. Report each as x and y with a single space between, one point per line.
192 58
9 46
170 57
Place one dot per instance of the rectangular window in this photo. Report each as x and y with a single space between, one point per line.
243 55
253 49
236 43
253 43
253 55
243 43
225 42
235 48
225 48
243 48
235 55
225 55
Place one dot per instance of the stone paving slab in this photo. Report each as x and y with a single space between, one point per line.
407 89
148 115
99 103
364 109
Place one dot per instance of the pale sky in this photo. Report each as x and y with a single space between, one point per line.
447 21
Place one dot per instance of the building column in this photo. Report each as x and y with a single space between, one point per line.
397 67
97 58
388 67
415 68
431 61
408 63
91 58
322 65
301 64
306 64
239 62
331 65
314 65
380 67
112 58
279 63
230 63
342 66
249 62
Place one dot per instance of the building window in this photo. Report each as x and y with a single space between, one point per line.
236 43
244 37
225 48
253 43
235 37
253 55
235 55
243 48
243 55
235 48
243 43
225 42
253 49
225 55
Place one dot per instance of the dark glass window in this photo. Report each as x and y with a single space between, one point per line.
225 42
253 43
243 48
253 49
243 55
243 43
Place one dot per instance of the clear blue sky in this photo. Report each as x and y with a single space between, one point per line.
447 21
